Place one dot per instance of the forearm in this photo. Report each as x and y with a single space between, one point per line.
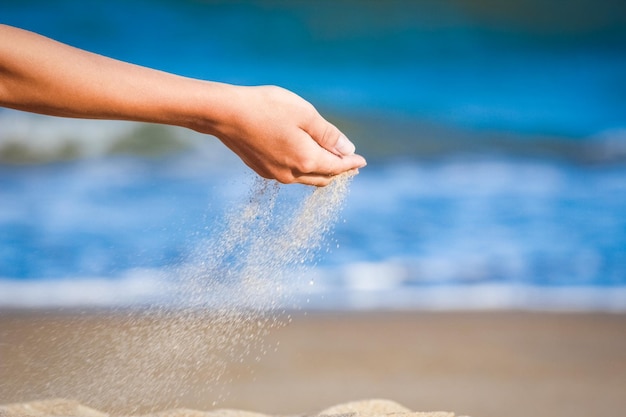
277 133
40 75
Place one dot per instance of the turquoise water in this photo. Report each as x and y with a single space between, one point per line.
495 135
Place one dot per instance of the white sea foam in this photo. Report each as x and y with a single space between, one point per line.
383 286
135 287
351 287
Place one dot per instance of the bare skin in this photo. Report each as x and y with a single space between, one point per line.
275 132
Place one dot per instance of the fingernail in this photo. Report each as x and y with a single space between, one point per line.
344 146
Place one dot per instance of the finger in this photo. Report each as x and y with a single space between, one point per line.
329 137
344 146
323 180
315 180
334 166
326 164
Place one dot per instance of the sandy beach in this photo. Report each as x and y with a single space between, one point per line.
476 364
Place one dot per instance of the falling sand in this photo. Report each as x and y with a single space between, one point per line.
230 292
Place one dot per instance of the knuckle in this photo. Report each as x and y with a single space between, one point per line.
322 183
327 135
308 109
306 165
285 177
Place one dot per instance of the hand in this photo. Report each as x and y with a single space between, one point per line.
281 136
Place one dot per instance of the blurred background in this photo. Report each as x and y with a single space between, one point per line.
495 134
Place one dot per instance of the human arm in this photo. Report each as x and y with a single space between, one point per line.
275 132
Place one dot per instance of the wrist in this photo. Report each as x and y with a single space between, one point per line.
204 106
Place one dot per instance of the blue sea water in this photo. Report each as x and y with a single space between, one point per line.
495 135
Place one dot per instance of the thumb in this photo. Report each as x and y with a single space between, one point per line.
343 146
331 138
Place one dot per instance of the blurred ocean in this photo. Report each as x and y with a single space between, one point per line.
495 134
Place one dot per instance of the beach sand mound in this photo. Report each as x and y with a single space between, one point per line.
69 408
